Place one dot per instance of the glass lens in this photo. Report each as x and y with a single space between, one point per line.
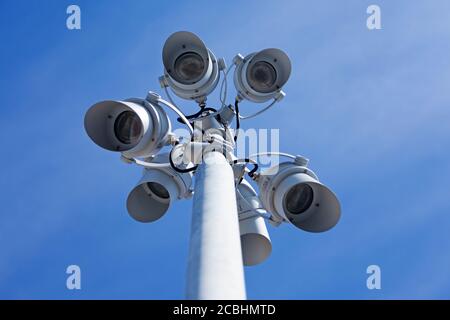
189 67
128 127
262 77
299 198
158 190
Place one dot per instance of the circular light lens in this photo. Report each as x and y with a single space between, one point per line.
158 190
189 67
299 198
262 77
128 127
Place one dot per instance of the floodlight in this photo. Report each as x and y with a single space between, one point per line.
157 189
190 68
140 130
293 193
255 241
135 127
260 76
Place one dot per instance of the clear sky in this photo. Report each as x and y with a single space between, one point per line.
369 108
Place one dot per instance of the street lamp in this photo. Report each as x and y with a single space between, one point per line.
229 218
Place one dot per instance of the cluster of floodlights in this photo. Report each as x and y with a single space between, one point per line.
140 129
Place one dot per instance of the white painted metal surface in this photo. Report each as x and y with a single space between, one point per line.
215 266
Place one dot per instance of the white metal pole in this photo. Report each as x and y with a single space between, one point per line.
215 267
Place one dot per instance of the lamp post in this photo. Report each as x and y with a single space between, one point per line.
215 268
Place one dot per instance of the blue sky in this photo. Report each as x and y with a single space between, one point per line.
369 108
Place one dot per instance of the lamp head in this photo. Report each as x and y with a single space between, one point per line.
293 193
190 68
134 127
255 241
157 189
260 76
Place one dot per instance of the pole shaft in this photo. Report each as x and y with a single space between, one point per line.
215 267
